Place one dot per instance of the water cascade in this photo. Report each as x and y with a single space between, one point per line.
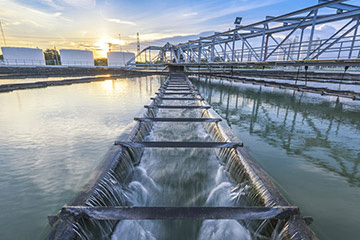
191 177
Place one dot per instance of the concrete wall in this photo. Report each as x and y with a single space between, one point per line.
23 56
71 57
119 59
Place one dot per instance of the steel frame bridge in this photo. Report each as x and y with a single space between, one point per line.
260 44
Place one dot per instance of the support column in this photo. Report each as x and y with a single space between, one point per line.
233 48
300 43
199 54
354 38
312 34
262 44
212 54
242 50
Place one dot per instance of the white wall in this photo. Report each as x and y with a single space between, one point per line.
71 57
23 56
119 59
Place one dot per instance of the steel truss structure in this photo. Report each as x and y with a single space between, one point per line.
289 37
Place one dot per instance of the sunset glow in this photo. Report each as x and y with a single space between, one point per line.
94 24
106 44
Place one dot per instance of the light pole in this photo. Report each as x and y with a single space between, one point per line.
2 32
120 42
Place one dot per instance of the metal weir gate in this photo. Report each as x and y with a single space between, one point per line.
179 86
290 37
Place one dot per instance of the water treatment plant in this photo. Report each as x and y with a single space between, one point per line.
252 132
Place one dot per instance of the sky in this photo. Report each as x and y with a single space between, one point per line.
92 24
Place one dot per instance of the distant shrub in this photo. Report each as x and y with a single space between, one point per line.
100 62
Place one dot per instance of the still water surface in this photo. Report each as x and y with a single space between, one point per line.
4 81
50 141
309 145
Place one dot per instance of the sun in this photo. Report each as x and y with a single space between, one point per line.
106 43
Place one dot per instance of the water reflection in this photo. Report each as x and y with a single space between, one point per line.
295 123
50 141
308 144
42 79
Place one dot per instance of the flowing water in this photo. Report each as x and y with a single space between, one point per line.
180 177
309 145
52 139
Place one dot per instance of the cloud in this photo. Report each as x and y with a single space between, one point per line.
50 5
152 36
190 14
79 3
116 20
42 21
325 28
180 19
29 16
162 39
216 13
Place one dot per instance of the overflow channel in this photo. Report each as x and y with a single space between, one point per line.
179 173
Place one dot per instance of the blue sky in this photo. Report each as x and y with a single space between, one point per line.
91 24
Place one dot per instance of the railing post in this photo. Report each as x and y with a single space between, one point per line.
319 49
288 56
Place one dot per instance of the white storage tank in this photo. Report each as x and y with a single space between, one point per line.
74 57
23 56
119 59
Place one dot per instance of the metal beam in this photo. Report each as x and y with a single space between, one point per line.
178 98
207 47
340 6
178 213
268 21
311 34
180 144
335 41
289 34
354 37
177 106
332 36
178 119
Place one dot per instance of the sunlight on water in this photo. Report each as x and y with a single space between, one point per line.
51 140
177 177
32 79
